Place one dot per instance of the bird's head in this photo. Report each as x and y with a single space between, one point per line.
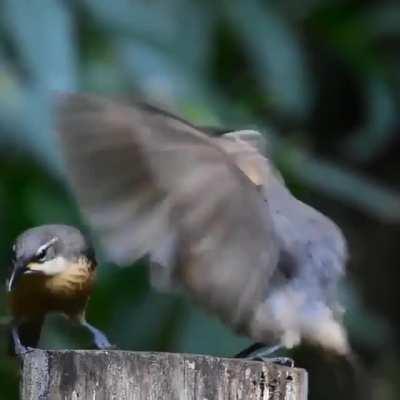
47 250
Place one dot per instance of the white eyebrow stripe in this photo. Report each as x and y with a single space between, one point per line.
47 245
10 281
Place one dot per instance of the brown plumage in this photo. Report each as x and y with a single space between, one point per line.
54 272
67 292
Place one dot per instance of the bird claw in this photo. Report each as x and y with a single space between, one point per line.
22 351
106 346
102 342
99 338
281 361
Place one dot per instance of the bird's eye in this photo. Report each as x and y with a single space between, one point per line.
46 251
41 255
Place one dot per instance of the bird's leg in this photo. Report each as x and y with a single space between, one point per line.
19 348
99 337
261 352
248 351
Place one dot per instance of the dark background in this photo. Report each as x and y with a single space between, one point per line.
320 78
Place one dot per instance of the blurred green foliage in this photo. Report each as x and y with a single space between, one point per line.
320 78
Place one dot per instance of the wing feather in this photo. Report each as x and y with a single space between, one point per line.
140 174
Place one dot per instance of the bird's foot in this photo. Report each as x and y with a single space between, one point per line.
102 345
261 352
99 338
281 361
102 342
21 350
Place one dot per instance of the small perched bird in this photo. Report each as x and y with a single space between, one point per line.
213 214
53 271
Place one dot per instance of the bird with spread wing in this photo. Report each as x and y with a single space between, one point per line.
212 213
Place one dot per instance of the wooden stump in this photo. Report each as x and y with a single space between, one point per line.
123 375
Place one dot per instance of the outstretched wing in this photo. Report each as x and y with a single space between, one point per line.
312 248
140 174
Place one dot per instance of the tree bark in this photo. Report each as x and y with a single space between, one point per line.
123 375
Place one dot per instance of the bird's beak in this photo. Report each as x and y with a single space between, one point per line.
19 270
